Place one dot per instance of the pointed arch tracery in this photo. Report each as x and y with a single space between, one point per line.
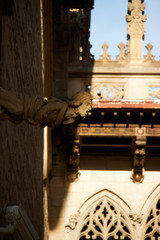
151 224
103 219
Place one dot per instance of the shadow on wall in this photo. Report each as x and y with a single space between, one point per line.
71 50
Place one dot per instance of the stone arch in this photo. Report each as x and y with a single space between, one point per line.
104 216
151 219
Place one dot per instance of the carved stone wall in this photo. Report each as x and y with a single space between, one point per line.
106 216
21 146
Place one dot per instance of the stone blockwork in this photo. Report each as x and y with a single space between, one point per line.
21 146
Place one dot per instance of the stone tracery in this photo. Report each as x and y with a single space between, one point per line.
152 223
105 220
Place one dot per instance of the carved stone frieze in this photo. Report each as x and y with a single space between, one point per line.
50 112
106 91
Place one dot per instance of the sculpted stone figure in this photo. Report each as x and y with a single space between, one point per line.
50 112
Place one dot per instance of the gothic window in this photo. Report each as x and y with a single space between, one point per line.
152 223
105 220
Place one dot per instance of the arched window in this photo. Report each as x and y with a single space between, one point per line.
152 222
103 219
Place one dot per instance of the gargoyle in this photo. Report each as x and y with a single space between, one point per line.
50 112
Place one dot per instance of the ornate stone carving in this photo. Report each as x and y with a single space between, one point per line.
154 92
152 224
121 56
105 220
139 157
136 28
136 217
105 57
149 57
73 166
73 220
50 112
106 91
70 227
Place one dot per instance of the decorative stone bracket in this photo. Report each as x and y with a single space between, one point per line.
51 112
139 156
73 163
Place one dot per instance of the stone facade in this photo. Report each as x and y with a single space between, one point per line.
104 187
67 193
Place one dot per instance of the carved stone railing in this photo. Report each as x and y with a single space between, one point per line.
121 57
106 91
124 54
154 92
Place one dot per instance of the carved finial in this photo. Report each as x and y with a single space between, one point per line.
105 57
136 28
149 57
121 56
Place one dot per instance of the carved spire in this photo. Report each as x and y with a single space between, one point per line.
136 28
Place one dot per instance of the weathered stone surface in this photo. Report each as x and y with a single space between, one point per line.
21 147
50 112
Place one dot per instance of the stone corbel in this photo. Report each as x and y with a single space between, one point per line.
138 158
51 112
73 164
